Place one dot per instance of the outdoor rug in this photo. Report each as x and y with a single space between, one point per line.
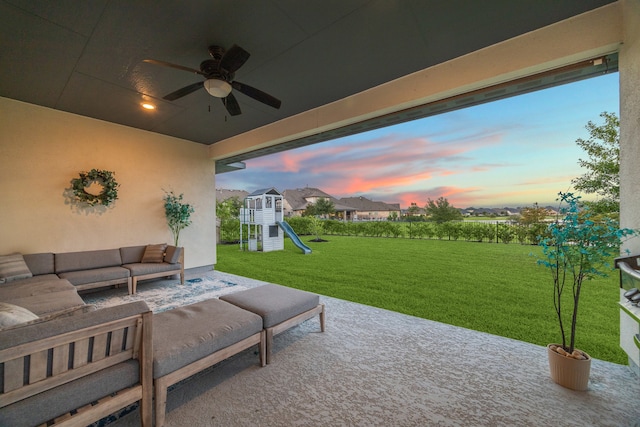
165 295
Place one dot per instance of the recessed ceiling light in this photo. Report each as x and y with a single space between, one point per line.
148 106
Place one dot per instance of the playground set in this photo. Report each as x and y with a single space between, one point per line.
262 220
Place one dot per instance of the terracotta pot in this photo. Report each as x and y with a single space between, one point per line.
568 372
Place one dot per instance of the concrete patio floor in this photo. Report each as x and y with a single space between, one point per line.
374 367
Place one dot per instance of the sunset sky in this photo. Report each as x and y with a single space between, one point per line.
510 153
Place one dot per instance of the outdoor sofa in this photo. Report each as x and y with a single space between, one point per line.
58 354
63 362
88 269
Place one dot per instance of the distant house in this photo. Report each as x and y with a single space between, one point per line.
369 210
414 211
297 200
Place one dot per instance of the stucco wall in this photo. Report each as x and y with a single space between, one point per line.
629 66
42 150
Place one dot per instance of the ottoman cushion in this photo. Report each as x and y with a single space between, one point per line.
186 334
274 303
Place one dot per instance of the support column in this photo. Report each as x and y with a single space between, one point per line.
629 66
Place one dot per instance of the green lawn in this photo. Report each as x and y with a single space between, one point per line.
495 288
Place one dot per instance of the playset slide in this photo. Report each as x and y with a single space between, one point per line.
294 237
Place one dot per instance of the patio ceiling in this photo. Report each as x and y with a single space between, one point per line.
86 57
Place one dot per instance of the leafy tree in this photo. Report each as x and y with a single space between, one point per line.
577 249
603 164
228 209
441 211
532 215
178 214
324 206
317 227
228 212
413 210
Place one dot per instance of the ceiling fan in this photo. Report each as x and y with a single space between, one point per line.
219 73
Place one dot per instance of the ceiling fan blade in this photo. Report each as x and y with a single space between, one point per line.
184 91
231 104
170 65
257 94
234 58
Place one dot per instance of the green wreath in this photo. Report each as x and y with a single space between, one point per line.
109 185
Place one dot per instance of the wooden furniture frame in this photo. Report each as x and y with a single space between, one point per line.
63 358
133 282
289 323
102 284
161 385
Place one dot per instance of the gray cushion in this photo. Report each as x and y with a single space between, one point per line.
86 260
55 402
13 267
150 267
132 254
82 277
172 254
12 315
40 263
186 334
34 286
274 303
49 302
154 253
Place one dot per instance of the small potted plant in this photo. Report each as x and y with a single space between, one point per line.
577 248
178 214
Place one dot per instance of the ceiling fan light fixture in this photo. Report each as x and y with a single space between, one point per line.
218 88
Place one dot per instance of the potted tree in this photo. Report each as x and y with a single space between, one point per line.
178 214
577 248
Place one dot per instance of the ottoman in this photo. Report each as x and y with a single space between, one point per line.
280 308
188 339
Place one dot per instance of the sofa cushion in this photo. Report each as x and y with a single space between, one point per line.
274 303
12 315
13 267
186 334
34 286
49 302
150 268
132 254
172 254
87 260
40 263
82 277
52 403
154 253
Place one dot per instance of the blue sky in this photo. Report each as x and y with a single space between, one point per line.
514 152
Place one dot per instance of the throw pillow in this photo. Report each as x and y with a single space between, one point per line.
154 253
13 267
11 315
172 255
